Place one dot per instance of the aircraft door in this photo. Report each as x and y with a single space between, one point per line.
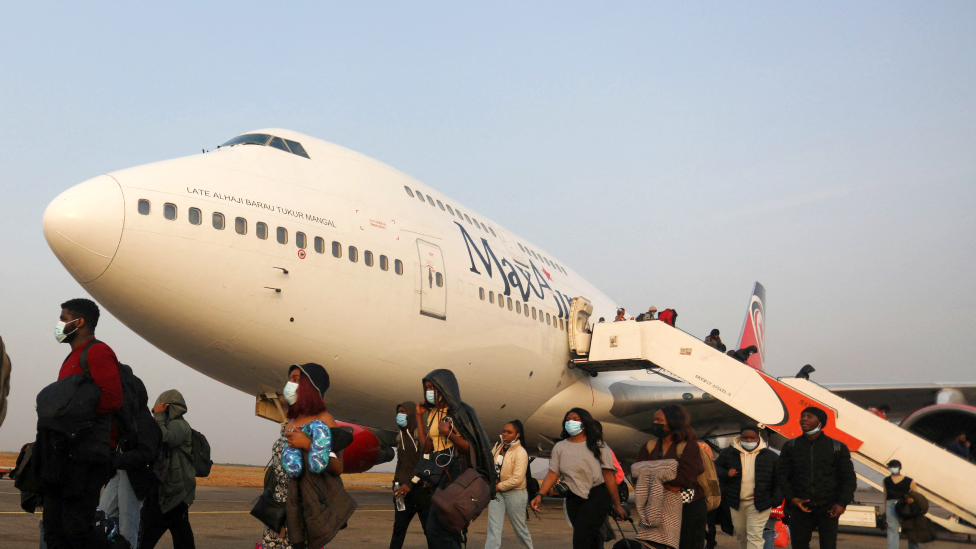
433 281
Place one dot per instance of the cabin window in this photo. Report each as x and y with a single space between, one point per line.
475 222
368 258
460 216
560 324
439 280
398 267
353 254
218 221
518 307
319 245
409 192
510 304
491 297
297 148
261 229
336 249
547 319
481 293
384 263
278 143
240 225
449 210
468 219
144 207
533 313
431 200
169 211
501 301
492 232
526 311
282 235
194 216
300 240
420 197
440 205
520 247
484 228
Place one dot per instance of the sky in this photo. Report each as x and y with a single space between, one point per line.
672 154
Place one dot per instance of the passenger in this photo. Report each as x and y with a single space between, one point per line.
621 315
458 428
511 496
136 453
415 496
817 478
668 316
169 509
70 487
881 411
713 339
4 380
586 466
308 417
649 315
896 488
672 427
960 446
747 472
914 524
602 320
742 355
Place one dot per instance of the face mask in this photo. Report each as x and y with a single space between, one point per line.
291 392
749 446
894 470
402 420
573 427
59 331
813 431
430 397
658 430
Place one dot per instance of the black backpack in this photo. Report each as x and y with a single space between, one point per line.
200 454
68 405
531 484
125 418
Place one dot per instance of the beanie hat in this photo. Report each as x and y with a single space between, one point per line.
714 332
821 415
316 374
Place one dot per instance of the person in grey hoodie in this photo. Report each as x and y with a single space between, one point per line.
169 510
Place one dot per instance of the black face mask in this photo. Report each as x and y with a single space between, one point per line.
658 430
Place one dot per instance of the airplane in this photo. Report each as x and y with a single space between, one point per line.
278 248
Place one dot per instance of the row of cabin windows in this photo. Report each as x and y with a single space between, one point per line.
195 217
516 305
447 207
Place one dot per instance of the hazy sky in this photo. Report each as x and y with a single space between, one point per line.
671 153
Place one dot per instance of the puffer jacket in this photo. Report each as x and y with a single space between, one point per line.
180 482
317 507
820 470
767 492
914 524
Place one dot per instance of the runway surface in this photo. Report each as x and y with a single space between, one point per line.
221 520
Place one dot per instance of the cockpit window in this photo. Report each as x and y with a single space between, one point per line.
286 145
249 139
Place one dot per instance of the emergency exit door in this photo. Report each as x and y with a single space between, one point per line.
433 281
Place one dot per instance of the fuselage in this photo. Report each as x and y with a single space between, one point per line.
250 258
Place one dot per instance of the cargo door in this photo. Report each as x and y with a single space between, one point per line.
433 281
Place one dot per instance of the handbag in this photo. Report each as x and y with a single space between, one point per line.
461 502
272 513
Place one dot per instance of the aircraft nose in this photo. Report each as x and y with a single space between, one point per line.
83 226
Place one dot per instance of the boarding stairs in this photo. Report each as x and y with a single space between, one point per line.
944 478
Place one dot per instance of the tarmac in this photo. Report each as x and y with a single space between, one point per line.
221 520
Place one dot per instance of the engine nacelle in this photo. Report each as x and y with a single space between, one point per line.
940 423
370 447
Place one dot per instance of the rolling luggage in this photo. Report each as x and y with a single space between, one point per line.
625 543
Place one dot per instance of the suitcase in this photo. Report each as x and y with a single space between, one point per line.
625 543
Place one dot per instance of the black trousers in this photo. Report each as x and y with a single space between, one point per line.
710 542
70 522
694 517
417 502
588 516
803 524
154 523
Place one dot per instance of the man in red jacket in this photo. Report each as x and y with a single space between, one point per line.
69 518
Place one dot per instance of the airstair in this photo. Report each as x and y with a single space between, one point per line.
944 478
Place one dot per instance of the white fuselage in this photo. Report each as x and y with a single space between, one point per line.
241 309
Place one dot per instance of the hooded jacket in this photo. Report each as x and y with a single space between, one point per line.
408 447
766 492
180 483
466 422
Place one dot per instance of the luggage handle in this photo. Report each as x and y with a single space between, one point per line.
628 519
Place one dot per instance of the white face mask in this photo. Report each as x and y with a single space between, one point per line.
430 397
813 431
59 330
291 392
894 470
749 446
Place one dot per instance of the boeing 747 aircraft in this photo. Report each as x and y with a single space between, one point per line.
278 248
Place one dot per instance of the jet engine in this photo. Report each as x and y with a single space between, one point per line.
940 423
370 447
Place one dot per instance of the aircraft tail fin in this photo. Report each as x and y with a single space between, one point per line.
754 328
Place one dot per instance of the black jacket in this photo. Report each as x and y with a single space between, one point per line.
767 492
466 422
407 451
136 457
820 470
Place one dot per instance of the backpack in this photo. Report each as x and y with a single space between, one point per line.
200 454
68 405
125 418
531 483
461 502
668 316
708 480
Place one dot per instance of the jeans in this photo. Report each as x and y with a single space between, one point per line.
512 502
749 524
891 514
70 522
803 524
176 520
119 501
769 534
588 516
437 536
416 502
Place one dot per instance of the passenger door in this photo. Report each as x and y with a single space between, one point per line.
433 281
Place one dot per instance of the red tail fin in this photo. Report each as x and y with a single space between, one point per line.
754 328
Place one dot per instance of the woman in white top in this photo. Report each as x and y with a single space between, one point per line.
586 465
511 496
